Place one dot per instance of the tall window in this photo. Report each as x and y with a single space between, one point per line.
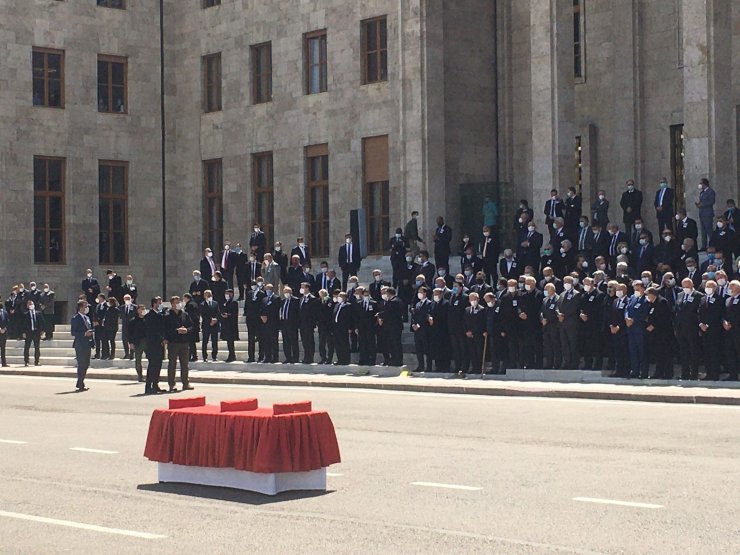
212 82
213 221
48 210
262 73
314 46
579 165
112 84
119 4
317 208
113 212
578 58
48 77
211 3
375 50
264 194
679 33
376 192
677 163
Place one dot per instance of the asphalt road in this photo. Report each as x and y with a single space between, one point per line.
522 475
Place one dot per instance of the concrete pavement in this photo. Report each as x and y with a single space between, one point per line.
421 473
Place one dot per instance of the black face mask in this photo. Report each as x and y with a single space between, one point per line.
480 281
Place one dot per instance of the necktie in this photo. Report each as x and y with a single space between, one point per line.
582 242
323 278
642 252
366 304
349 255
336 318
212 265
286 308
660 200
613 248
552 209
33 320
596 237
485 247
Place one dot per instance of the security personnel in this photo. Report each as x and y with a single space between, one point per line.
90 287
659 327
550 332
34 324
731 325
635 317
474 323
324 312
568 317
252 302
618 329
711 314
511 310
193 310
128 312
455 326
442 238
496 334
420 326
687 329
591 316
210 325
289 326
489 251
98 319
270 318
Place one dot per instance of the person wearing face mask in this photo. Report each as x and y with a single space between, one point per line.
271 271
557 236
229 319
723 287
110 327
489 249
442 239
685 227
178 328
510 310
638 230
90 287
723 237
548 276
458 302
705 204
600 209
529 244
523 211
33 324
660 336
731 327
4 325
554 208
408 278
227 261
590 327
295 274
421 328
550 328
115 285
664 205
687 329
398 246
252 305
635 317
691 271
210 325
324 313
474 325
192 309
197 287
130 288
343 326
584 240
307 319
288 318
128 312
155 342
257 241
101 345
46 305
572 212
668 252
411 232
601 242
631 204
427 269
137 339
389 319
509 267
269 315
301 250
568 317
282 260
644 255
32 293
327 278
207 265
617 241
565 260
349 259
439 336
528 324
688 250
669 290
495 335
548 260
243 277
82 332
711 315
618 331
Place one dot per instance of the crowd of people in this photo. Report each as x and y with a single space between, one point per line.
593 295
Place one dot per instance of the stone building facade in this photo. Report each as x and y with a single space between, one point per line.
253 109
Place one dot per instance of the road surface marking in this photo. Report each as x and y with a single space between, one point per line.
334 474
445 486
82 526
13 442
98 451
620 503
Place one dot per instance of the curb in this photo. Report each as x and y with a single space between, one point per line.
451 389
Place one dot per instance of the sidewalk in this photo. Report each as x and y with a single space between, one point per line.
693 393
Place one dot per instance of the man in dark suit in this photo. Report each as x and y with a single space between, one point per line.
615 238
326 279
342 326
711 315
302 251
270 318
509 267
489 252
4 325
242 275
207 265
289 323
573 208
154 338
691 271
349 259
631 204
364 311
99 311
442 239
731 325
229 315
421 327
197 287
128 312
427 268
252 304
33 325
643 257
115 286
377 285
664 205
529 246
685 227
554 208
82 331
390 320
660 334
687 329
398 245
90 287
257 242
307 318
210 325
227 264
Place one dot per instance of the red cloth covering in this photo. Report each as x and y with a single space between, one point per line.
235 406
187 402
288 408
256 440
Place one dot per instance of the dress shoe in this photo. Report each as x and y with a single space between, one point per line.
249 360
214 359
187 387
83 388
25 364
141 379
230 359
37 363
172 390
5 365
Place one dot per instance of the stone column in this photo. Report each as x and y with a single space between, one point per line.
708 113
553 131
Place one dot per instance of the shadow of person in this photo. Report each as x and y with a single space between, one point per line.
229 494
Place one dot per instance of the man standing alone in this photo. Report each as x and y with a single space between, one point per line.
82 331
177 329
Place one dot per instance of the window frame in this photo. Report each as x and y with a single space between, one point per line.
678 162
109 59
579 42
379 51
106 4
210 4
258 77
46 52
217 84
579 164
319 246
110 198
258 190
46 194
323 63
373 149
209 195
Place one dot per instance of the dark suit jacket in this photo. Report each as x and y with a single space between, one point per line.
668 200
514 273
686 229
40 324
305 259
205 269
344 263
80 325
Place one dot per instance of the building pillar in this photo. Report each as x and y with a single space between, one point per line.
708 113
553 131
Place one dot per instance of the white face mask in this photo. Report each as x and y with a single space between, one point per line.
709 291
287 295
638 227
671 282
46 289
209 255
421 296
348 241
645 281
687 290
667 238
228 297
638 294
302 291
378 279
700 187
127 302
601 197
474 303
302 245
546 294
196 278
256 229
129 282
587 288
620 294
89 276
180 306
721 282
384 297
623 251
486 234
87 309
585 264
512 289
567 286
531 228
336 299
31 307
437 299
527 287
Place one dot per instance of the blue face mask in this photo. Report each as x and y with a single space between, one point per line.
269 293
710 256
710 275
455 290
418 283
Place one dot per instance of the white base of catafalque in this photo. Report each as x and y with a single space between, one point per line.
269 484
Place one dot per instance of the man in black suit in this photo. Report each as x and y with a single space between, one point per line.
687 329
573 209
210 325
99 311
427 268
711 315
115 286
207 265
530 244
270 318
242 276
660 334
33 325
257 242
307 318
227 264
81 329
554 208
302 251
377 285
349 259
342 326
664 205
489 252
643 255
289 323
615 238
442 239
326 279
90 287
364 311
197 287
128 313
229 315
4 325
390 320
324 315
631 204
154 338
252 304
691 272
398 245
509 267
685 227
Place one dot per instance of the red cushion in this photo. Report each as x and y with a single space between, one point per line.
240 405
187 402
288 408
